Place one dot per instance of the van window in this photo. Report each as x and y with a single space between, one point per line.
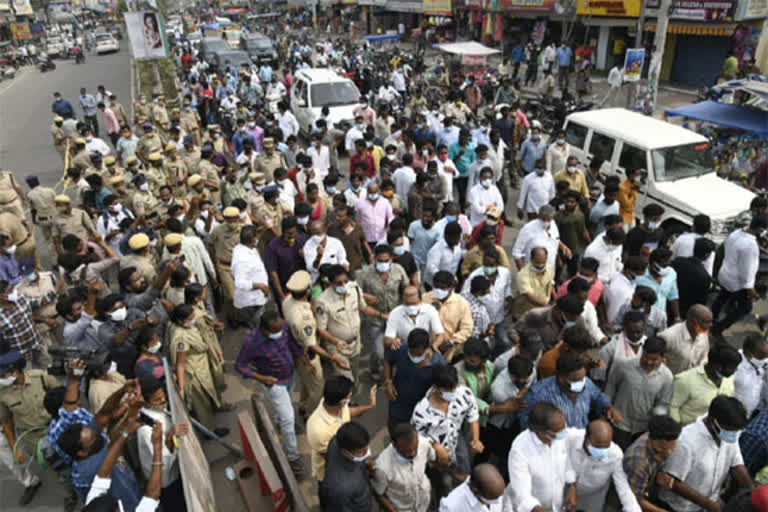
686 161
301 91
333 94
601 146
575 135
631 157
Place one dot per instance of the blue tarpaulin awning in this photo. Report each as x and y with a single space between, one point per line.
726 114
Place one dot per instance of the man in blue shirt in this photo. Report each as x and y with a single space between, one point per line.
516 57
62 107
532 149
89 107
462 153
572 392
240 136
564 55
449 134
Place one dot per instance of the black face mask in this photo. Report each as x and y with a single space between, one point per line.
472 368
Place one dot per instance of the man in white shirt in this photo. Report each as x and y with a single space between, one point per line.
446 169
409 315
557 154
615 79
96 145
321 248
404 178
445 254
354 134
483 491
683 245
688 341
622 287
537 190
749 380
482 196
482 160
737 275
320 154
597 461
287 121
539 232
540 472
287 191
707 453
606 248
251 278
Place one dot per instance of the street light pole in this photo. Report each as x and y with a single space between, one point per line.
632 94
657 56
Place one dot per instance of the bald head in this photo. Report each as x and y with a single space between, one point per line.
600 433
317 227
699 318
411 295
487 481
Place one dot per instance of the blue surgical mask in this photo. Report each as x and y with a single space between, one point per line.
341 289
331 190
399 250
448 396
726 436
562 435
489 271
568 323
440 294
450 218
417 360
403 458
654 225
383 266
597 453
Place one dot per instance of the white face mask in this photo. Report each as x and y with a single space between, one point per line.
11 250
302 220
413 310
317 238
112 368
4 383
119 315
144 187
154 349
362 457
486 183
13 296
32 277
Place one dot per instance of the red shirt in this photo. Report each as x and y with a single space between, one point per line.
475 236
368 159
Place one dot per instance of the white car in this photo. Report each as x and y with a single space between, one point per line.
316 88
55 46
106 43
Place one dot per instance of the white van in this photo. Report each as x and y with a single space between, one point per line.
315 88
681 175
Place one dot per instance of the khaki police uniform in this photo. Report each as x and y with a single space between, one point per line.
41 200
149 143
223 239
17 231
175 170
119 110
298 315
146 204
24 405
145 265
45 283
204 322
191 159
141 113
160 120
210 173
190 123
59 140
199 389
76 222
82 161
9 196
266 164
340 315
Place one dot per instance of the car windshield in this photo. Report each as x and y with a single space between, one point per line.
257 44
334 93
54 40
103 37
684 161
215 45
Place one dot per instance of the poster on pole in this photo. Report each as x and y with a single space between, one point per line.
20 32
146 32
633 64
195 470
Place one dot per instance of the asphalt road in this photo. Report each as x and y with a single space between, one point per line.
26 146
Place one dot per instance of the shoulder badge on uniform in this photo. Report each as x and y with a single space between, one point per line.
308 330
319 309
180 347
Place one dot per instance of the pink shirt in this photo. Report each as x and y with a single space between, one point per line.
110 121
594 294
374 217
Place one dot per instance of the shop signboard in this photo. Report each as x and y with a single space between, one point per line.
146 33
699 10
612 8
752 9
437 7
23 8
633 64
20 31
542 6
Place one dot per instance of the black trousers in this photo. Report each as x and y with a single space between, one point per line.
736 305
93 124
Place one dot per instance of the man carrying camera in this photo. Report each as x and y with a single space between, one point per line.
22 415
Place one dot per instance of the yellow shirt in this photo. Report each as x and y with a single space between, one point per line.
693 393
455 315
321 427
530 282
576 181
626 198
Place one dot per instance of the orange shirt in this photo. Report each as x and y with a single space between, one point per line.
626 198
548 362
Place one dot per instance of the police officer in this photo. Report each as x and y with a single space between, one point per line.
160 117
42 202
154 172
111 169
69 220
254 196
210 173
149 143
175 170
140 257
21 408
144 202
269 160
119 189
221 242
190 120
141 111
338 322
81 158
190 153
21 403
38 284
59 136
196 187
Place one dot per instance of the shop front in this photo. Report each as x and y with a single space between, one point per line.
699 38
610 25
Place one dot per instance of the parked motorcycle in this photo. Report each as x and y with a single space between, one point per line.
45 64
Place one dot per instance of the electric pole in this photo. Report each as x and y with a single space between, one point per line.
657 55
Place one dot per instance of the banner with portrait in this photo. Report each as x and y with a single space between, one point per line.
146 32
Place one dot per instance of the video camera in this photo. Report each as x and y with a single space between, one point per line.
62 356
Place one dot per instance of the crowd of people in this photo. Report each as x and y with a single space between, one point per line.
577 365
